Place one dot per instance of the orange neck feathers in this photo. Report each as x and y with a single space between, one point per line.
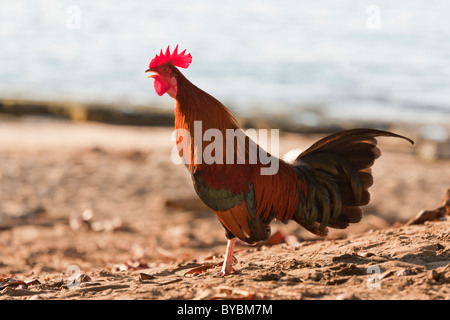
193 104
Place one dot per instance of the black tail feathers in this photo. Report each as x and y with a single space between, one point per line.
336 172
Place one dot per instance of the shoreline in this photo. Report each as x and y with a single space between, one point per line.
432 141
154 115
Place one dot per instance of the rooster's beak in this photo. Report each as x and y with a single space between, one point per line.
152 75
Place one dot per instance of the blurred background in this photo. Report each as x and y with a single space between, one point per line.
361 60
69 179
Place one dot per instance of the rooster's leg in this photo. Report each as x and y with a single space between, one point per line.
227 267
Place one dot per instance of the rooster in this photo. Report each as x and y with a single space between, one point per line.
325 186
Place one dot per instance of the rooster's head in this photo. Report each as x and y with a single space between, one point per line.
165 72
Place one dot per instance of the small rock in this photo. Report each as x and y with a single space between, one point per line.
83 277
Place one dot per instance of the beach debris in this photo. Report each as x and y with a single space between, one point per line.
428 215
433 215
130 265
145 276
82 278
14 283
407 272
203 268
84 221
76 280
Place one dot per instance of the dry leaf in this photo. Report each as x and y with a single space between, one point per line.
14 283
433 215
203 268
145 276
428 215
33 282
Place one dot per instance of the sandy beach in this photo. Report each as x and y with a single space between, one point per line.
107 203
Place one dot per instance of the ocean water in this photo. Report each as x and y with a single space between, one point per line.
344 59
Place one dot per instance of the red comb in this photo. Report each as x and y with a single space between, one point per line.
177 59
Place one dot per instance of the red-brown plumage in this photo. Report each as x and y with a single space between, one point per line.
276 193
325 186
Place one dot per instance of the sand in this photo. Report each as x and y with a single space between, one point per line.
96 211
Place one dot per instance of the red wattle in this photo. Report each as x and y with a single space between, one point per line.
160 87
